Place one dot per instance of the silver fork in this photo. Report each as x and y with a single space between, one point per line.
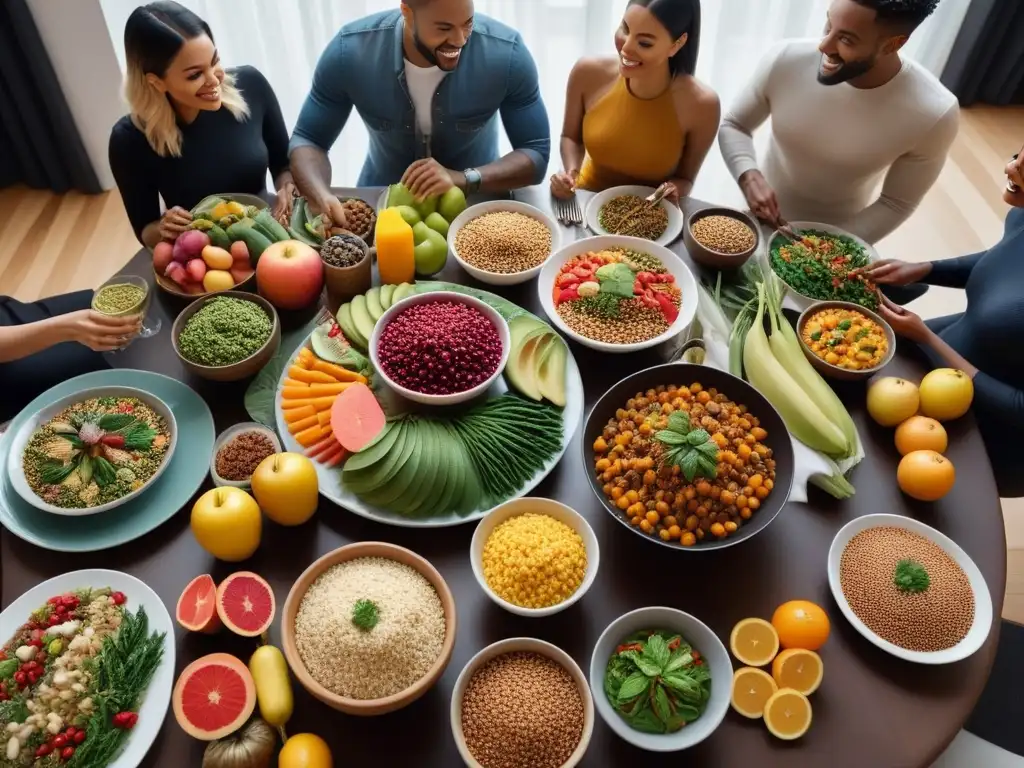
574 215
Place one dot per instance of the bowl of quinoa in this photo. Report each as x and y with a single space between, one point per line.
239 450
522 703
369 628
534 556
909 589
661 302
92 451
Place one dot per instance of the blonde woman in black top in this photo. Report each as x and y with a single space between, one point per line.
194 129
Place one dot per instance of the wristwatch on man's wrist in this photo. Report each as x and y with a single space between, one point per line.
473 180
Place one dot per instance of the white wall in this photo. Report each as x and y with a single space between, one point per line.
77 40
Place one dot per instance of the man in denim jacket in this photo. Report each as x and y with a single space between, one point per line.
428 81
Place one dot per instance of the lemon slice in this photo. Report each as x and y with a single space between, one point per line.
787 714
754 642
798 669
751 689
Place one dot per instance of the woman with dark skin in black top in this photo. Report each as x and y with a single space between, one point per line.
193 128
983 341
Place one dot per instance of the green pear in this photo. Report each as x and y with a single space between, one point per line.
419 232
410 214
431 254
453 202
398 195
437 223
426 206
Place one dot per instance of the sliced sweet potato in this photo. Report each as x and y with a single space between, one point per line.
356 418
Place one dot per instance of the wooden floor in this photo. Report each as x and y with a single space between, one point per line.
53 244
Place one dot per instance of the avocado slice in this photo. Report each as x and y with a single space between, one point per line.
551 372
373 304
362 319
387 294
520 327
403 291
349 327
521 369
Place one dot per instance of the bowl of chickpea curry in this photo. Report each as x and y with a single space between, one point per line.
844 340
688 456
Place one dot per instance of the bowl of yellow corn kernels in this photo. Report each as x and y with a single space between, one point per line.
845 341
534 557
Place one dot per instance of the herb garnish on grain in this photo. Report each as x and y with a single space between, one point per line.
692 450
911 576
365 614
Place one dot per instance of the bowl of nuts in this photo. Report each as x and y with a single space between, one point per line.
360 218
721 238
347 272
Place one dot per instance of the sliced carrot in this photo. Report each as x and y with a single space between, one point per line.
338 458
300 426
356 417
295 383
324 403
327 456
339 373
306 358
297 413
309 436
324 417
310 377
290 393
317 390
324 445
290 404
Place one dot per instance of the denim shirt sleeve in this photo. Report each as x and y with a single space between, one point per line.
328 105
523 113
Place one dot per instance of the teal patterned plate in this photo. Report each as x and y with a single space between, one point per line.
187 470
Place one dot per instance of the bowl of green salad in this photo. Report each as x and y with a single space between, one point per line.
822 265
661 679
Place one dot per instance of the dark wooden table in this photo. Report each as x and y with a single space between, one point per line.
872 710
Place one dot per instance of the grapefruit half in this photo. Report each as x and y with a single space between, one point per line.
245 603
197 606
214 697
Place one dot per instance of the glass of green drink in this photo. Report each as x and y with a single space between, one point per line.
127 295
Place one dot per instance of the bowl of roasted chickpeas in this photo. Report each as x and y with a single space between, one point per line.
845 341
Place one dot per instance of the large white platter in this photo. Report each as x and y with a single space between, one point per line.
331 485
157 698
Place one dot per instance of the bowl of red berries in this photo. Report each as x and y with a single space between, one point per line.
440 348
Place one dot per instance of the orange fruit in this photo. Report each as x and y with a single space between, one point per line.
787 714
919 433
751 689
925 475
799 669
801 624
754 642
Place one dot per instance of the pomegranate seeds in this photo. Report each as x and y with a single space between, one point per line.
440 348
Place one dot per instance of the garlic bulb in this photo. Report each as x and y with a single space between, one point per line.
251 747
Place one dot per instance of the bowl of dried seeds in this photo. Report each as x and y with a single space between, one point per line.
625 211
721 238
239 450
503 242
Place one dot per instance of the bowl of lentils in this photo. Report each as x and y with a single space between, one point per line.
534 556
503 242
625 211
721 238
440 348
522 703
228 336
239 450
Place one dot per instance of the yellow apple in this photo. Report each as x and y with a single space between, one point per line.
227 523
218 280
286 488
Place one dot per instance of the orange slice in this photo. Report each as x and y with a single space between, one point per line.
754 642
798 669
787 714
751 689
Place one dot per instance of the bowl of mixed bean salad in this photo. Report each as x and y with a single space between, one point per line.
822 265
689 457
845 341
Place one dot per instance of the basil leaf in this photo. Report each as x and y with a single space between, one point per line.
633 686
690 465
657 651
687 713
679 421
709 449
661 705
647 721
648 666
687 688
668 437
698 437
680 658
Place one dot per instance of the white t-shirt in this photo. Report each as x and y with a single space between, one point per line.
832 145
422 83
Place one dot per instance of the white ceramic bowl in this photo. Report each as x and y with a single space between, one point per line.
979 630
598 201
542 506
698 635
229 434
510 206
156 701
20 440
799 299
428 298
682 274
526 644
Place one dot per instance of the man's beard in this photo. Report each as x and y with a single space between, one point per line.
426 52
848 71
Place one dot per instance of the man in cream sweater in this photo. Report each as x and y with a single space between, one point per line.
847 114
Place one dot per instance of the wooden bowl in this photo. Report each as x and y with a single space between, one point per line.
367 707
251 365
833 371
169 286
716 259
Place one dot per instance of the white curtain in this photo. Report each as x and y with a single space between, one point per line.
284 39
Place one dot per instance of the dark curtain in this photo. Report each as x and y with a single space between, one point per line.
987 61
39 142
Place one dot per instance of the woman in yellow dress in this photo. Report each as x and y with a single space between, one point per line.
642 117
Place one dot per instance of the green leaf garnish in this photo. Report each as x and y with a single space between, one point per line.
911 576
365 615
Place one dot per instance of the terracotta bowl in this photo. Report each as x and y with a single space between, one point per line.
716 259
243 369
834 371
367 707
167 285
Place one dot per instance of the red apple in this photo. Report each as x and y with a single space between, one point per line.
163 253
290 275
239 251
